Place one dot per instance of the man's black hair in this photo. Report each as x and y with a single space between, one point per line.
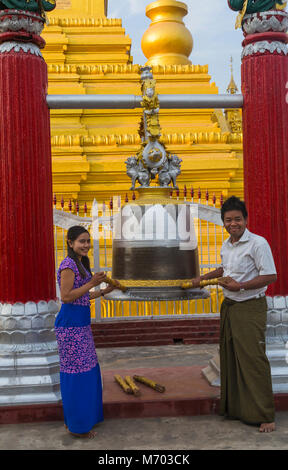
234 204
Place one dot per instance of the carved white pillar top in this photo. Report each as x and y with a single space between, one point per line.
265 32
17 20
20 32
262 22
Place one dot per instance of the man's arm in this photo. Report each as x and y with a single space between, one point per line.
205 277
256 283
212 274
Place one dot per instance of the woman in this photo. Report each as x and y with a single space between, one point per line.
80 376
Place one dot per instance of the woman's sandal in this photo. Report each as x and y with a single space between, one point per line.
89 435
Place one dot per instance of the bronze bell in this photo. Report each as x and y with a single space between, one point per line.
154 243
155 248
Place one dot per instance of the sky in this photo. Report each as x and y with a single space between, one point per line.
212 25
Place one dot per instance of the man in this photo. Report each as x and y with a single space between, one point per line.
247 269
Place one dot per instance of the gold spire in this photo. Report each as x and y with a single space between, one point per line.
167 41
232 87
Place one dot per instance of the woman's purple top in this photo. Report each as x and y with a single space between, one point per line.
69 263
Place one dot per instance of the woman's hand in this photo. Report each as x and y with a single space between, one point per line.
97 279
107 290
110 288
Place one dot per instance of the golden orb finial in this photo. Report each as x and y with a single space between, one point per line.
167 41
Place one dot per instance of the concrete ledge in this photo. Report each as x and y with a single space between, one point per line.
187 394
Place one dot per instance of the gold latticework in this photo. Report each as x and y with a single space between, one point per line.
184 283
153 283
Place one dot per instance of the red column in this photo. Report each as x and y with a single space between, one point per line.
265 131
27 269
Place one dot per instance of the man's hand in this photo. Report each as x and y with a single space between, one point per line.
229 284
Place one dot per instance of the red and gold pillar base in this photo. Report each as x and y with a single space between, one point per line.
265 124
30 372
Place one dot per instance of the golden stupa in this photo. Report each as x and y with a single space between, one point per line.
89 53
163 44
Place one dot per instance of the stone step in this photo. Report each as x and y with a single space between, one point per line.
11 375
280 387
139 335
126 343
278 363
201 340
148 342
148 324
27 382
279 371
25 360
276 348
163 329
278 358
26 398
156 332
21 368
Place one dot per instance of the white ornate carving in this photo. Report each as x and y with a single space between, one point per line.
17 46
21 13
17 24
265 46
264 14
262 25
65 220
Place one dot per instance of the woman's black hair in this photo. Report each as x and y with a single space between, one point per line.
234 204
72 234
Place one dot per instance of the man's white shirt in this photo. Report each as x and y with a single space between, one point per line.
244 260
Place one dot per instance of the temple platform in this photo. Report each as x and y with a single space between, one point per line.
201 329
177 367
